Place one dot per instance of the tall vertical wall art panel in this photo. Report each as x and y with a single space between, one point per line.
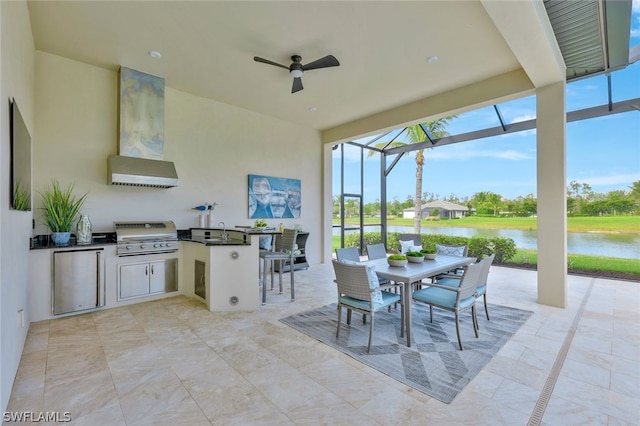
141 118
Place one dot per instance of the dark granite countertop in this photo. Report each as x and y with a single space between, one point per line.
98 239
218 241
211 237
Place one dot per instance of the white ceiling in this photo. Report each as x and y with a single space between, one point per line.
208 48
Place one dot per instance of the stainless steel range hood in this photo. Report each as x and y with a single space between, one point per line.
134 171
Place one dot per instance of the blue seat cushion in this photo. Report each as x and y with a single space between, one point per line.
449 282
481 290
387 299
441 297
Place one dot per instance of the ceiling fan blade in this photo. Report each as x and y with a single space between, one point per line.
297 85
266 61
326 62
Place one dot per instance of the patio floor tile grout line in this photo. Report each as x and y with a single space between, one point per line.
547 390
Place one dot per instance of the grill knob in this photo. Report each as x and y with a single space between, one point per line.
157 245
143 246
128 247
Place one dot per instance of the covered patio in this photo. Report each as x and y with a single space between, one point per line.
181 364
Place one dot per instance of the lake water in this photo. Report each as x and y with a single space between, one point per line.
593 244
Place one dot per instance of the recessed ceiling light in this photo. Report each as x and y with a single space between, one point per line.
431 59
312 109
155 54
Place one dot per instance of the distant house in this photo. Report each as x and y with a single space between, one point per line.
446 209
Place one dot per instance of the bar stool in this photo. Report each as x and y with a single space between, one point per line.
285 254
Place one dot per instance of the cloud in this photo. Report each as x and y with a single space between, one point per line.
621 179
511 155
470 154
524 117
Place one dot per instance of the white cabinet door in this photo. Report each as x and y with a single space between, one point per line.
156 277
134 280
164 276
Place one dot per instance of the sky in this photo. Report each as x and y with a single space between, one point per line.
603 152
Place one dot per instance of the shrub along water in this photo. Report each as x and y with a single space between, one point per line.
504 248
507 253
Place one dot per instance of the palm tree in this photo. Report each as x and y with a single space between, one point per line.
415 134
635 191
495 201
480 199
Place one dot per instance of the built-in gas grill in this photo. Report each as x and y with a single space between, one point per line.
138 238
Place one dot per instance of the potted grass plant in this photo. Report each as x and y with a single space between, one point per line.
397 260
60 209
415 256
429 251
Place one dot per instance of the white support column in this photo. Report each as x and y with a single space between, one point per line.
327 203
552 195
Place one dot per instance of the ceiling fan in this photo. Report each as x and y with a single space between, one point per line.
296 68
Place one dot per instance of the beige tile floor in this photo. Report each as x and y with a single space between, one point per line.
173 362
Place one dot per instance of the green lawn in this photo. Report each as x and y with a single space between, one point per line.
584 262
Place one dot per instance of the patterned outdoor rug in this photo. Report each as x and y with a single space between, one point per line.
433 364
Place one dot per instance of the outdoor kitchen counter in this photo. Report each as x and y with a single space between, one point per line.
222 274
213 237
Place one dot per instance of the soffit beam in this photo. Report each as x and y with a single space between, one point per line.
505 87
526 29
583 114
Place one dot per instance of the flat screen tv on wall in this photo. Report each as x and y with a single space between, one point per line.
20 179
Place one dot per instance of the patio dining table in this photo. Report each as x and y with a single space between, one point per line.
414 272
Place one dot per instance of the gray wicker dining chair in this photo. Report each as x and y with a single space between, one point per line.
360 291
406 241
376 251
454 299
451 250
285 254
481 289
416 238
348 253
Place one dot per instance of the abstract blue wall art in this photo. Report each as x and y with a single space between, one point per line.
274 197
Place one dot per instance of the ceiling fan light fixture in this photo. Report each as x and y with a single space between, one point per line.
296 68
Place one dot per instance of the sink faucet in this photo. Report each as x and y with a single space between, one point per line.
224 234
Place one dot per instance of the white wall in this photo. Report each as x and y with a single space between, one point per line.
213 145
17 70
